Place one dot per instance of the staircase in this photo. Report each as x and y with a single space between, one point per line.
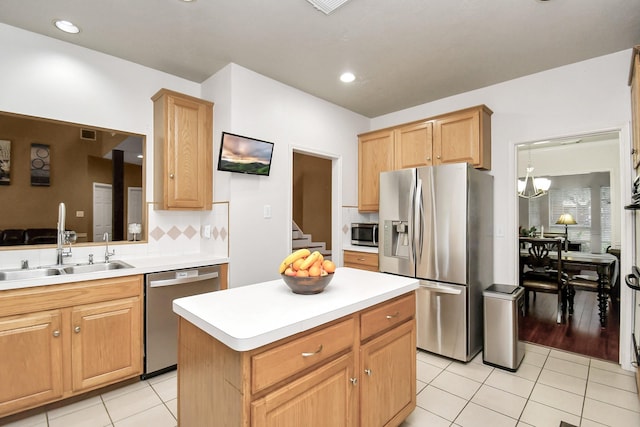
300 240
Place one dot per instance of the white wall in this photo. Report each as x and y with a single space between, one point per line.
45 77
576 99
266 109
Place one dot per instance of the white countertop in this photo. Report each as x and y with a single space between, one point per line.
249 317
140 265
356 248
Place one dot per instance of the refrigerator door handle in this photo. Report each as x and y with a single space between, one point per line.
419 207
412 204
441 289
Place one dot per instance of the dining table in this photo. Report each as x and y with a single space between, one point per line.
602 268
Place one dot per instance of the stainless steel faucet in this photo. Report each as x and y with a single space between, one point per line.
61 253
107 254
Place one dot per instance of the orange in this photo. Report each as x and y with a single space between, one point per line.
302 273
289 272
314 271
329 266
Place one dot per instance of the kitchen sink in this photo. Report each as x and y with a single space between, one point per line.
96 267
31 273
34 273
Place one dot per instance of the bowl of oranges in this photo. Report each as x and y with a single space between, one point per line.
306 272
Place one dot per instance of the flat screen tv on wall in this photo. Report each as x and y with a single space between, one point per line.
243 154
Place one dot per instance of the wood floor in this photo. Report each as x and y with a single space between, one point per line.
580 334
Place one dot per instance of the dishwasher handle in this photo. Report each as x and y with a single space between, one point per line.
182 280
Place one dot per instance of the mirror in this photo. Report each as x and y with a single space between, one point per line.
98 174
584 173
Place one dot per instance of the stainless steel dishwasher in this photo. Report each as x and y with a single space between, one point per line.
160 322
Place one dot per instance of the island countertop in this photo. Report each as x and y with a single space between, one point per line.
248 317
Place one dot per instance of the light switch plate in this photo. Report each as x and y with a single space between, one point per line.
267 211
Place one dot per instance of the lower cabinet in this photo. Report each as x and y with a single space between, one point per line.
361 260
359 370
61 340
31 368
322 398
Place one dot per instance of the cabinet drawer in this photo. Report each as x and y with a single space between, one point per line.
361 260
387 315
284 361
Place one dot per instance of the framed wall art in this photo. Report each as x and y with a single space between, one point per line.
40 165
5 162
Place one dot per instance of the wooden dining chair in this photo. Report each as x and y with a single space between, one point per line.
541 271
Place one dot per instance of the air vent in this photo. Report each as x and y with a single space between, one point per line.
88 134
327 6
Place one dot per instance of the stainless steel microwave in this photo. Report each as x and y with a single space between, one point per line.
364 234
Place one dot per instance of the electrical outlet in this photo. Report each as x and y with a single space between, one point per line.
79 214
207 231
267 211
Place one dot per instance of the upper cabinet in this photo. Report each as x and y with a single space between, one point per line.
183 151
634 82
461 136
375 155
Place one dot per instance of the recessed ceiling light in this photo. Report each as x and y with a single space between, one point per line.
347 77
66 26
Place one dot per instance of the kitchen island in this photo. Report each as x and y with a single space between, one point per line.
261 355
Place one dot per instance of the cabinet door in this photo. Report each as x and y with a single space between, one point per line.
413 145
457 138
325 397
106 342
388 386
375 155
31 368
188 154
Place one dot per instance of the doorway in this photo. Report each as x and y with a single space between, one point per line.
579 167
312 185
102 210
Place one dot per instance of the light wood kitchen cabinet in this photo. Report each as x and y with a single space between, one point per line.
61 340
31 368
329 375
324 397
634 83
375 155
106 342
459 137
361 260
413 145
463 136
387 394
183 151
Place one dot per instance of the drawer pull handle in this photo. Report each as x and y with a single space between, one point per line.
56 333
305 354
394 315
354 381
360 259
368 372
76 329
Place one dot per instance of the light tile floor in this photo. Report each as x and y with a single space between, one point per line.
549 387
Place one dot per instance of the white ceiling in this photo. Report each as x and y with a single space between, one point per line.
403 52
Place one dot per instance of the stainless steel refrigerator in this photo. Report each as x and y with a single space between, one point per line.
436 225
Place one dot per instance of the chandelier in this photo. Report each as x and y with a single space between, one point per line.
531 187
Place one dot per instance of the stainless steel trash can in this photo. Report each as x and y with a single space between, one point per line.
503 305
